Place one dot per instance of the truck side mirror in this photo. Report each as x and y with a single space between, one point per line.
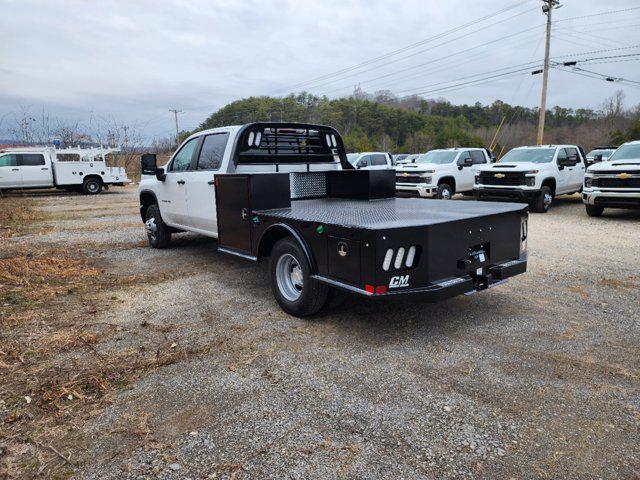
148 166
597 158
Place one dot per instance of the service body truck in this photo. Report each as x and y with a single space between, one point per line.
533 175
83 170
286 192
614 183
441 173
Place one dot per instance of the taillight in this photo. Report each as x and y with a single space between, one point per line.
400 259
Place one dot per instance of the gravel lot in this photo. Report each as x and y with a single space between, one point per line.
538 378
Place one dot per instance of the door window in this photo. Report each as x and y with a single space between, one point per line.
562 154
574 152
30 159
463 156
8 160
478 157
378 160
182 159
364 161
212 151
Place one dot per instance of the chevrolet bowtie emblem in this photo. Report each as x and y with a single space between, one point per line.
499 175
623 176
405 174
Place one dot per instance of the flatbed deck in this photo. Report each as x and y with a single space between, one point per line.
388 212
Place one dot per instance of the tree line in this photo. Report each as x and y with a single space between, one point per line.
412 124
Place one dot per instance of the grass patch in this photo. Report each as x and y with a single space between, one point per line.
16 213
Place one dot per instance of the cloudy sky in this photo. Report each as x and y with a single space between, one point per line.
133 60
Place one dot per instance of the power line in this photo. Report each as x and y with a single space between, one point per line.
599 14
417 44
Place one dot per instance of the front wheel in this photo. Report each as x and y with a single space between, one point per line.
543 201
594 210
445 192
158 232
296 292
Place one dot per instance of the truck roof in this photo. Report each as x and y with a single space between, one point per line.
545 146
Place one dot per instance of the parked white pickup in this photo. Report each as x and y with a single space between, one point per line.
83 170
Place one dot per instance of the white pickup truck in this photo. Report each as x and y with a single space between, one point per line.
370 160
83 170
441 173
285 191
614 183
533 175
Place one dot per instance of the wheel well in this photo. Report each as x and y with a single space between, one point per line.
450 181
277 232
551 183
146 200
88 177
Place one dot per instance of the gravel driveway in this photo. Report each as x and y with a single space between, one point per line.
537 378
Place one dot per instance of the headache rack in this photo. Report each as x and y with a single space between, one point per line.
289 143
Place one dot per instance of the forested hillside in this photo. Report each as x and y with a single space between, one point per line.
413 124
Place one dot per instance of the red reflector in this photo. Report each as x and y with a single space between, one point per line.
217 181
369 289
381 290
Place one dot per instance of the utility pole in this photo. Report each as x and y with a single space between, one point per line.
175 114
547 8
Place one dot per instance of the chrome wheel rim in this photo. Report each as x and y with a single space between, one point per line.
547 199
152 228
446 194
289 277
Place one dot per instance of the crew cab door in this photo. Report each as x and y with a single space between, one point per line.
201 195
36 172
10 175
379 161
577 171
480 158
466 173
172 193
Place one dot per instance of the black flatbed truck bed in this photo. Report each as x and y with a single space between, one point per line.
349 228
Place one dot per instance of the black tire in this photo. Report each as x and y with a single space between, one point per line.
445 191
311 294
543 201
594 210
162 235
91 186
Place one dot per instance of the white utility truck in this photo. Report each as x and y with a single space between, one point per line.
370 160
285 191
441 173
533 175
76 169
614 183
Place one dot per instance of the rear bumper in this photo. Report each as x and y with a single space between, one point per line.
446 288
506 194
611 198
417 189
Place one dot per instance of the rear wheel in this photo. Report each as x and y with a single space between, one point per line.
543 201
594 210
158 232
91 186
296 292
445 192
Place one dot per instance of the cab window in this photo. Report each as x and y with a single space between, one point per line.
30 159
378 160
364 161
572 151
478 157
212 151
8 160
182 159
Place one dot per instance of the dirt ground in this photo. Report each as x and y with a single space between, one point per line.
119 361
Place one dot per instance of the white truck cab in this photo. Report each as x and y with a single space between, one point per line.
370 160
182 192
614 183
441 173
533 175
78 169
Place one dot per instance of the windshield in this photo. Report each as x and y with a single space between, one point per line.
604 153
535 155
437 158
627 152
